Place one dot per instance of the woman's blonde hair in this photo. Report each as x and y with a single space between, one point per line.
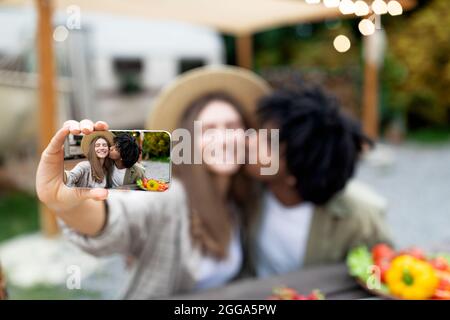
99 171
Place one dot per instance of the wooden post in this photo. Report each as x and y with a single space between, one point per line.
373 47
370 100
244 51
47 95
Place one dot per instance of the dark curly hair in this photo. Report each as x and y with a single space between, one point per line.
322 144
128 149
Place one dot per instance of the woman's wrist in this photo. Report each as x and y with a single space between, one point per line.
88 217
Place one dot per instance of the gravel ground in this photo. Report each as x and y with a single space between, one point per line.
415 179
157 170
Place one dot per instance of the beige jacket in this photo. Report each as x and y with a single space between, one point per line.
356 216
81 176
137 171
153 227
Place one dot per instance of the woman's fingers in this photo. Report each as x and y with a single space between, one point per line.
98 194
68 123
74 126
86 126
101 126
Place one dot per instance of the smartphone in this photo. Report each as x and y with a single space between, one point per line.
118 159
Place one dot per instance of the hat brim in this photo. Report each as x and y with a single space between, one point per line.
88 138
241 84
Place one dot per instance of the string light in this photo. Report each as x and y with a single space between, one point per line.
379 7
341 43
366 27
394 8
60 33
361 8
347 7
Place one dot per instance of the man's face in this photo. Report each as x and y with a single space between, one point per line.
114 153
254 144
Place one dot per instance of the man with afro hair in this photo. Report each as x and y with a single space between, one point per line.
125 154
312 212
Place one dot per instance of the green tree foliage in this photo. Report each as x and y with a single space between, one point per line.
288 56
307 46
156 145
416 74
414 80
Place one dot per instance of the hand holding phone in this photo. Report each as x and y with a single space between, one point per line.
50 186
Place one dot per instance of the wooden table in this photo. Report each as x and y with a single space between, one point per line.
332 280
132 186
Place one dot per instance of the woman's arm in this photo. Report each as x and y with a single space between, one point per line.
81 209
72 177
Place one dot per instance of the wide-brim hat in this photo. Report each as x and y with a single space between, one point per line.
241 84
88 138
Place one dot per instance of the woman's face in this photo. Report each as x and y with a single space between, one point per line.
218 145
101 148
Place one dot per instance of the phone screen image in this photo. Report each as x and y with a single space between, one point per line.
118 159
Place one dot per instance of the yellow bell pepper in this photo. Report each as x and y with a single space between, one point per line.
411 278
152 185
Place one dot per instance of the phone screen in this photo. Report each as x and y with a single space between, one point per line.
118 159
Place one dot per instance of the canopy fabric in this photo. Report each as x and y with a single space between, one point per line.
235 17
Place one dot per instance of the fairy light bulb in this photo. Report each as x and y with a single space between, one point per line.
347 7
361 8
341 43
394 8
366 27
379 7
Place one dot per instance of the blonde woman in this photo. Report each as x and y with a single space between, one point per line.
94 172
188 237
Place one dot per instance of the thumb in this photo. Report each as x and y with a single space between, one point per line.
98 194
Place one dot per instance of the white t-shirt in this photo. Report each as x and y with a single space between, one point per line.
117 176
99 185
214 273
283 236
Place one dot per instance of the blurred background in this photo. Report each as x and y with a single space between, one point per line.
111 58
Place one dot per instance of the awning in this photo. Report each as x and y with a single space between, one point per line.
235 17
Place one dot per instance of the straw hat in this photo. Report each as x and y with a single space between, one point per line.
87 139
243 85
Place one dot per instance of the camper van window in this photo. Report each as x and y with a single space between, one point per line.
129 74
13 62
188 64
